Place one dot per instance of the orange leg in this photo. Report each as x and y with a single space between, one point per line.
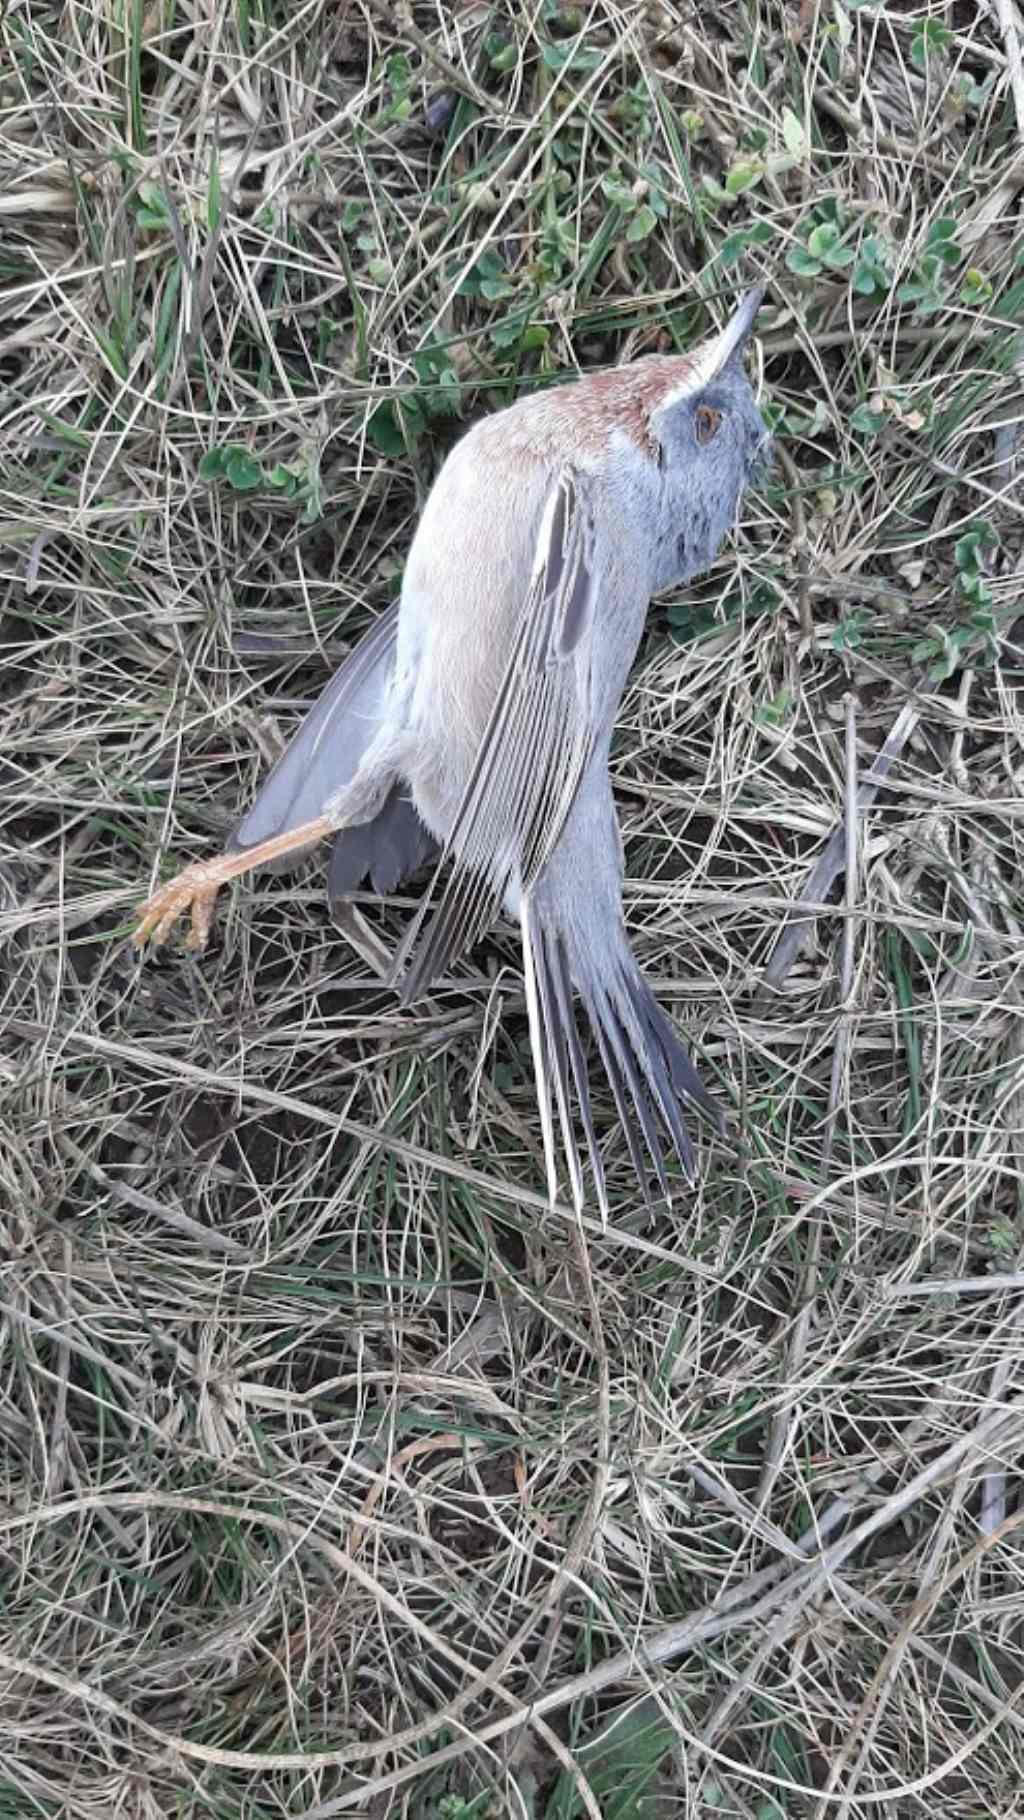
195 889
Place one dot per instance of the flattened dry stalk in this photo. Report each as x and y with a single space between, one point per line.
1010 26
829 865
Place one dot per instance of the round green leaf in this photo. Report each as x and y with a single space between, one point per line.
385 431
242 472
822 240
743 176
283 479
867 421
801 262
643 223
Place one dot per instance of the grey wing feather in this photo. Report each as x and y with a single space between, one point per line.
326 751
646 1066
574 935
534 751
387 850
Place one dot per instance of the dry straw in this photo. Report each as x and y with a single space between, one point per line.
338 1474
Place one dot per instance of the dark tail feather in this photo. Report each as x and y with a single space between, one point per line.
647 1068
323 756
387 850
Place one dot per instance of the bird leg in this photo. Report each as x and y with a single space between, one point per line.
195 888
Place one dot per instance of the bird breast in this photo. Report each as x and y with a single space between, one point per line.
466 582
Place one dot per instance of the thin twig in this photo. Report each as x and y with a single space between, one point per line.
389 15
799 545
795 1592
797 1348
866 1720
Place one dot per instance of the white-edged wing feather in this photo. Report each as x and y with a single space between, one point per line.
535 748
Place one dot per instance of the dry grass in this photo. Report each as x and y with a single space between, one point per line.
339 1475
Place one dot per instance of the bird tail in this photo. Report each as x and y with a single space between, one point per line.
572 940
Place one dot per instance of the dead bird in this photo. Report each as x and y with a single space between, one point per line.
474 719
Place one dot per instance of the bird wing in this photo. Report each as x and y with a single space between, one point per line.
534 750
326 750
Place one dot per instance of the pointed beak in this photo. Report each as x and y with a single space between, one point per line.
730 342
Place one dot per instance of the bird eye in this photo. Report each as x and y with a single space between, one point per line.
706 423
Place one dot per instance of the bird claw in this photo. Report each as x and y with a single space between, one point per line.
194 890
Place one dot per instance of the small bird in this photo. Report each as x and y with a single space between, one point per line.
474 720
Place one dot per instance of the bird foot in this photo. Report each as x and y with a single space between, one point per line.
194 890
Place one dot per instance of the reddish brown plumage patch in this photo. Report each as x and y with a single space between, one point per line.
583 415
627 396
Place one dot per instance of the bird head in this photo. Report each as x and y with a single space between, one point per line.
709 437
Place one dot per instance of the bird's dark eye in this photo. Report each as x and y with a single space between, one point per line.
706 423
